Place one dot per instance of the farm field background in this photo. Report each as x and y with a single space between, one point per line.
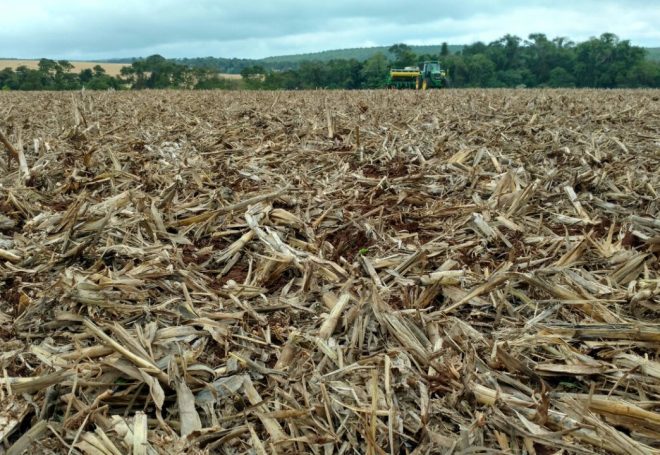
112 69
331 271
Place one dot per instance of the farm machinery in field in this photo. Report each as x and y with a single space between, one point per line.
422 77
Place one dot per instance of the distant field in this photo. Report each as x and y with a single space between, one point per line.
112 69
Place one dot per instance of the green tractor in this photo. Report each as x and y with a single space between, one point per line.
422 77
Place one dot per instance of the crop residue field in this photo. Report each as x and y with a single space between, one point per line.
330 272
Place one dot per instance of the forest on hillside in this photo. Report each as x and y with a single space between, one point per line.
287 62
603 62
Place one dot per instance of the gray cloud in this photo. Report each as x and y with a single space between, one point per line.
103 28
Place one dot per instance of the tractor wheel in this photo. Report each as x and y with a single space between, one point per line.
425 84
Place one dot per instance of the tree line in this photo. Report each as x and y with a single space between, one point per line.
56 75
154 72
287 62
603 62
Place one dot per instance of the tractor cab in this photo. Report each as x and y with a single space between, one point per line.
432 67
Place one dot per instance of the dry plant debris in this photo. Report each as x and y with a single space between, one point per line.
460 271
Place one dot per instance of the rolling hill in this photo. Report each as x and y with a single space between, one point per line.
284 62
358 53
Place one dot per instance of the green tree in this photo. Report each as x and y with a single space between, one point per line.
8 79
374 71
253 71
403 55
457 69
103 82
559 77
444 50
129 74
644 74
605 61
64 66
48 66
481 71
474 49
86 75
253 76
28 79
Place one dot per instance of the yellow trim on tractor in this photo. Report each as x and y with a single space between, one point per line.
399 73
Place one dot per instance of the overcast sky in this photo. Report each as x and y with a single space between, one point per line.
98 29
